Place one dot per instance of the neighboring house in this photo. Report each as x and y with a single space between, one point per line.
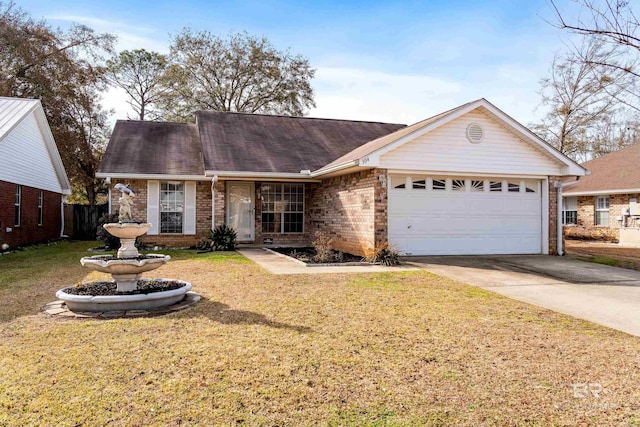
33 181
601 204
468 181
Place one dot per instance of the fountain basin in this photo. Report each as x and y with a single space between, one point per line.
102 303
106 264
127 233
127 230
126 272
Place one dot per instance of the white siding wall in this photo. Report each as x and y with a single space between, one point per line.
447 149
24 158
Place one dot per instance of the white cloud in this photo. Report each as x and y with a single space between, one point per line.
129 36
116 99
359 94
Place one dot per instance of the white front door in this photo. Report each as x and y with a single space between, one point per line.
240 209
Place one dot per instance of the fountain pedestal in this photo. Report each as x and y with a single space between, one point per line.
127 233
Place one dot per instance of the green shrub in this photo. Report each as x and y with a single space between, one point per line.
384 254
223 238
110 241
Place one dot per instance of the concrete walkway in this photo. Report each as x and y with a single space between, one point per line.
606 295
280 264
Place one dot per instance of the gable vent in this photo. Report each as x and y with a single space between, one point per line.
475 133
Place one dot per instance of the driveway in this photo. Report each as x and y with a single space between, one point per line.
606 295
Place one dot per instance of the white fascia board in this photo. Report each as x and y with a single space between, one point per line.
260 176
335 168
151 176
570 168
601 192
469 174
52 148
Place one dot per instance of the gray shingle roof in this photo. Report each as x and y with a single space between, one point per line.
153 148
262 143
234 142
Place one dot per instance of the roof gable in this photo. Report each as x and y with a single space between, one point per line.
615 172
447 148
369 154
28 152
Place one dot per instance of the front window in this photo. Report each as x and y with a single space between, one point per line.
40 207
16 206
282 208
570 211
602 210
171 207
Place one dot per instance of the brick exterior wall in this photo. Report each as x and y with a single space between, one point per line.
29 231
341 206
139 213
586 228
352 210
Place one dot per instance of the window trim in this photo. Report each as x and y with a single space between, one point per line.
566 211
160 211
599 210
17 207
282 212
41 208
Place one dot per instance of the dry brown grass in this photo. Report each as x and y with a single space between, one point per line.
366 349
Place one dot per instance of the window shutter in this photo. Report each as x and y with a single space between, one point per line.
153 206
189 207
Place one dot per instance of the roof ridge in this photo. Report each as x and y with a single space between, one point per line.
298 117
155 121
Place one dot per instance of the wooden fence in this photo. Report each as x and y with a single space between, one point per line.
81 221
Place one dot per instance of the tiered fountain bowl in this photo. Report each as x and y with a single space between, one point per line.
126 269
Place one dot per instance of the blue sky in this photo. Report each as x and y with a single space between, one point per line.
376 60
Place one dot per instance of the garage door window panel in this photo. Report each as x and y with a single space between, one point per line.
458 185
477 185
419 184
513 187
495 186
439 185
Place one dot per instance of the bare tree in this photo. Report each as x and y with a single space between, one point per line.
613 24
613 132
240 73
140 73
578 98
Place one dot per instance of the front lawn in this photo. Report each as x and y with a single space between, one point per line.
383 349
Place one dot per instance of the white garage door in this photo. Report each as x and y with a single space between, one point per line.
465 216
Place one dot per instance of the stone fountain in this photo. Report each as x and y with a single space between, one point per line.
131 292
